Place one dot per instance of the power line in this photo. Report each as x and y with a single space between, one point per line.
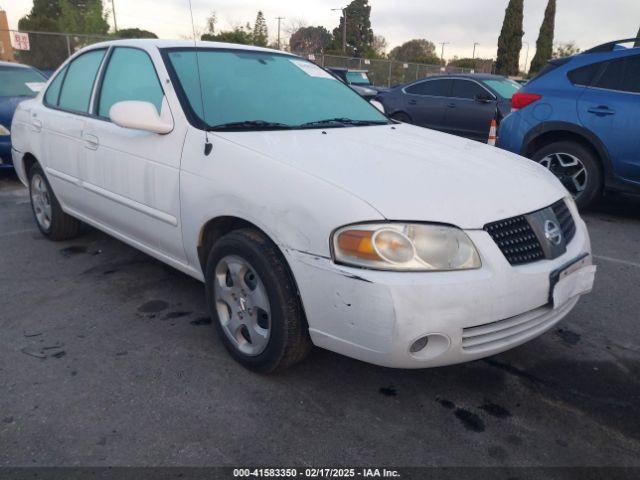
279 20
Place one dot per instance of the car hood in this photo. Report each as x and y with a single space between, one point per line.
412 173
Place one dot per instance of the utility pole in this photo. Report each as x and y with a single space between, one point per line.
442 51
115 22
474 50
344 27
279 20
526 57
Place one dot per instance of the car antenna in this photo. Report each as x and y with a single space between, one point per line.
207 145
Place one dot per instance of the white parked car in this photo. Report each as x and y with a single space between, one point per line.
311 217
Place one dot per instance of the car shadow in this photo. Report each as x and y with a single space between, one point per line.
617 205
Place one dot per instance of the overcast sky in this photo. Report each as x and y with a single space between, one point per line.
459 22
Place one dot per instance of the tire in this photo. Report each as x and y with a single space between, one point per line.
557 154
401 117
52 221
262 343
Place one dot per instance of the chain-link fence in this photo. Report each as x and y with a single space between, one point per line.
390 72
44 50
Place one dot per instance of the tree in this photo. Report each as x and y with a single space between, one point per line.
510 40
566 49
260 33
418 50
309 40
359 32
241 35
74 16
544 44
135 33
379 46
480 65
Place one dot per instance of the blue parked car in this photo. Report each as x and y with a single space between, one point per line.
580 118
17 83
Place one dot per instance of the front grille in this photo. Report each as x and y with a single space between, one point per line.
519 238
563 214
513 330
516 239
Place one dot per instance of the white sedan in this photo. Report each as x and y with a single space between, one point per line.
311 217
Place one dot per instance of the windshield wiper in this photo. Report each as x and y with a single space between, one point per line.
341 122
249 125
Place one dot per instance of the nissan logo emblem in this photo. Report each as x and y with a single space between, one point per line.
552 232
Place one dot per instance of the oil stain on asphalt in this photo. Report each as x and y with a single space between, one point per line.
153 306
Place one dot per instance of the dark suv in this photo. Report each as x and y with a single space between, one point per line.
580 118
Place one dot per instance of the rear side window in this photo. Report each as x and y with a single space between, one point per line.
467 89
584 75
78 82
53 92
622 75
436 88
130 75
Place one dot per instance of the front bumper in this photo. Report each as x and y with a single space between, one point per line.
5 152
376 316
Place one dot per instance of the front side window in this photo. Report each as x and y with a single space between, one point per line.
435 88
130 75
20 82
250 86
468 90
78 82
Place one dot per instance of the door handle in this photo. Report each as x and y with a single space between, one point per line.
413 102
36 124
451 105
601 110
90 141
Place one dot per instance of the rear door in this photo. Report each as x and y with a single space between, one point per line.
467 115
61 121
610 108
426 102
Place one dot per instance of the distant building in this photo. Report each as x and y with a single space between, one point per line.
6 51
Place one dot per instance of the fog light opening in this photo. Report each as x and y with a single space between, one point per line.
419 344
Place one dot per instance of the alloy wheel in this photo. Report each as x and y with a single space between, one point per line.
569 170
41 201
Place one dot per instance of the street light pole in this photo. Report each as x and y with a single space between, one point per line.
115 22
474 50
344 27
279 20
526 57
442 51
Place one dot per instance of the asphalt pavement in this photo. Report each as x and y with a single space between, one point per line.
108 357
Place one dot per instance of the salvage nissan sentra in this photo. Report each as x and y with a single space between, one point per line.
311 217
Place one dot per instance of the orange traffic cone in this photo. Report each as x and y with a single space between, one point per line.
493 132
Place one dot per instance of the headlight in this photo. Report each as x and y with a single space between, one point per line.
405 246
4 131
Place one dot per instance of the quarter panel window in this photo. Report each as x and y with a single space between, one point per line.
613 76
584 75
436 88
467 89
130 75
78 83
53 92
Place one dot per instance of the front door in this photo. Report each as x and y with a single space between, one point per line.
470 110
426 101
131 176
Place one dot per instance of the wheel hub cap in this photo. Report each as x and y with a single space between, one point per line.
41 201
569 169
242 305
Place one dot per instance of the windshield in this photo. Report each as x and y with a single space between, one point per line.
18 81
503 87
358 78
260 89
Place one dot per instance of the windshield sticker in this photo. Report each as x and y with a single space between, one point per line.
35 86
311 69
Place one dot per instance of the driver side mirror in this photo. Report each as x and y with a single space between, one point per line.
139 116
483 98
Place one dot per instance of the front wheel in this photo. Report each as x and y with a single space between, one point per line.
254 303
52 221
576 167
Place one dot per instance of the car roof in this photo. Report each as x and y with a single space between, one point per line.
12 64
148 43
473 76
